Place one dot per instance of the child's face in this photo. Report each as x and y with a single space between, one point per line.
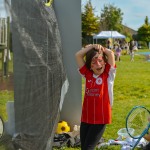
98 64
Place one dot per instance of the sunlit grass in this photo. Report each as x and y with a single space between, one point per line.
5 96
131 88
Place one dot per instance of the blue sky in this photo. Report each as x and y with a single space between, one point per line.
134 11
3 13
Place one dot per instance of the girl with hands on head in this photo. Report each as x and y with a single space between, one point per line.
97 64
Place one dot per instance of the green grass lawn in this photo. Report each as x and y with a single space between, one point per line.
5 95
131 88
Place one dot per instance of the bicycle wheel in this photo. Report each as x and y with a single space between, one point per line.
1 127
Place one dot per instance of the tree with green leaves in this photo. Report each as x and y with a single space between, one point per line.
111 18
90 23
144 32
146 21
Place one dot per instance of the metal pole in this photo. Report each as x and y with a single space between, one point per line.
8 45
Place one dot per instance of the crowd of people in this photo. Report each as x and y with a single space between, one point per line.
119 45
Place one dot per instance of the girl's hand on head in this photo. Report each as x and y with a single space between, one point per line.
100 48
97 46
88 45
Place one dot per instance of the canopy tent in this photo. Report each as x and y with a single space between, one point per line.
109 34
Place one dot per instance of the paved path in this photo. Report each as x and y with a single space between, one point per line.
6 83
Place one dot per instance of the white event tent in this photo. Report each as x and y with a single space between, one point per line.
108 34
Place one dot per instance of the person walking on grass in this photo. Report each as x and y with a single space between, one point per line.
118 53
97 64
131 46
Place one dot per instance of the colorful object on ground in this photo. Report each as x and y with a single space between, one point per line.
62 127
49 3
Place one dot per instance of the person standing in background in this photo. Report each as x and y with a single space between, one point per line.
6 59
118 52
131 48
